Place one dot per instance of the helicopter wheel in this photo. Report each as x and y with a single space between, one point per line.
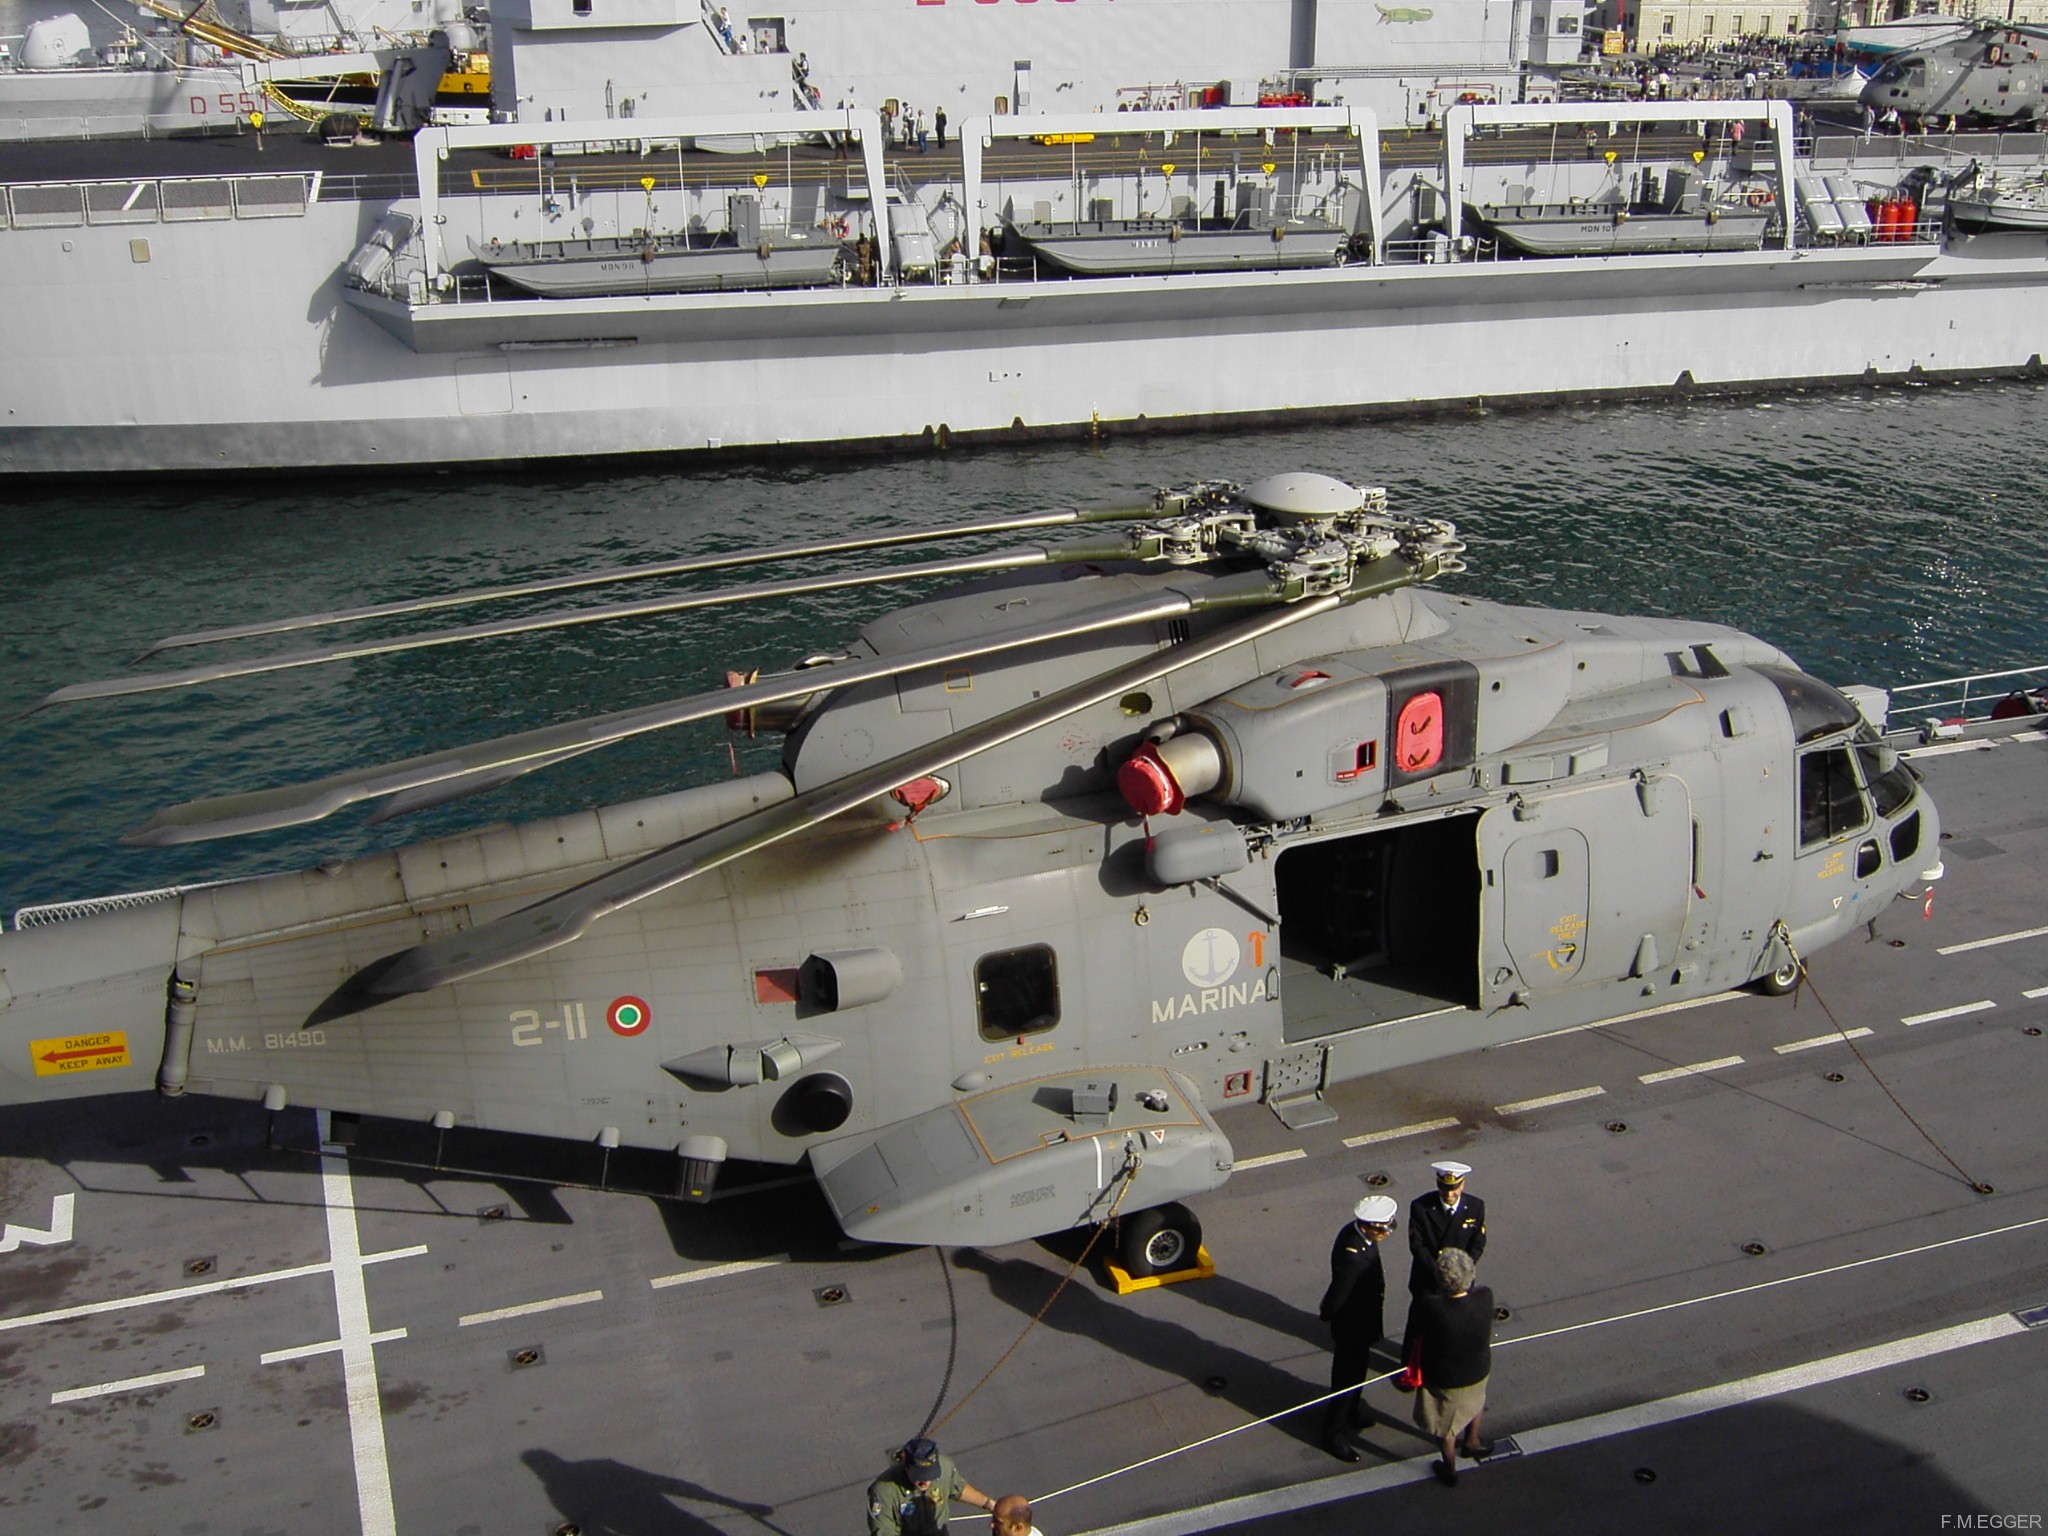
1159 1241
1779 982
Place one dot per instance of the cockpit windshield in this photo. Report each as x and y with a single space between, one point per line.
1816 709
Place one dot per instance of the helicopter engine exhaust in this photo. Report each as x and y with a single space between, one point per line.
1160 777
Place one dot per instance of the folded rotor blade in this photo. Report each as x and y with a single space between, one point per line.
158 682
487 764
562 918
1069 518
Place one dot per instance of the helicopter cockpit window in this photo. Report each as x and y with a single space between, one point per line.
1816 709
1830 800
1891 787
1017 992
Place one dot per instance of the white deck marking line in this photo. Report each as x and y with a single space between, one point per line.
1623 1018
1269 1159
2034 992
1420 1127
204 1288
1575 1432
714 1271
1949 1013
1669 1073
307 1351
1806 1045
1522 1106
527 1309
358 1353
132 1384
1998 938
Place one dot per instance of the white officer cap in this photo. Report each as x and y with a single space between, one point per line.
1376 1209
1450 1173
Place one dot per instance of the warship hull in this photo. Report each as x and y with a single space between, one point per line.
303 380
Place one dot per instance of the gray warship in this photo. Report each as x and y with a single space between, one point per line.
363 334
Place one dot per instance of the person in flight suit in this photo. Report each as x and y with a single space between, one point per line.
1450 1218
915 1496
1353 1307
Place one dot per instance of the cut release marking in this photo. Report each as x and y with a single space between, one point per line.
1524 1105
308 1351
1270 1158
1948 1013
132 1384
1421 1127
1692 1071
714 1271
206 1288
1806 1045
1997 938
527 1309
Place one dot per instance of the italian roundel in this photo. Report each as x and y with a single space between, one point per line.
628 1016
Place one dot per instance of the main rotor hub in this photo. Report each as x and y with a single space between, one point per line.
1301 495
1314 533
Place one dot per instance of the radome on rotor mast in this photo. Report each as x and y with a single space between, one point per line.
1214 803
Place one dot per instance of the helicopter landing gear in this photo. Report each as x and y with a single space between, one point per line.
1159 1241
1779 982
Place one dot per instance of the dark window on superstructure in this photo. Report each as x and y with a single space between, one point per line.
580 7
1017 992
1830 800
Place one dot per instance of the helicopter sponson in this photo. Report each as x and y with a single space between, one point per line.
1216 803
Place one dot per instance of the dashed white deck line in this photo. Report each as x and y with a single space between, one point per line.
132 1384
358 1352
2035 992
1271 1158
1995 939
1575 1432
203 1288
528 1308
308 1351
1523 1106
715 1271
1419 1128
1958 1012
1624 1018
1670 1073
1806 1045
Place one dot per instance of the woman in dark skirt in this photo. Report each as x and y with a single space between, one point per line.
1455 1325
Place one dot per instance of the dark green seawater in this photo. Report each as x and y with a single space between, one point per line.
1888 537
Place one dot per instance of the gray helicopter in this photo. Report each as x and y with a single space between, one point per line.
1214 802
1982 73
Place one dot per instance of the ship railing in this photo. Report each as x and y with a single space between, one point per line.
172 200
1955 698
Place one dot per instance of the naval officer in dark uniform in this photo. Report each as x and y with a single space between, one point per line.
1353 1306
1449 1218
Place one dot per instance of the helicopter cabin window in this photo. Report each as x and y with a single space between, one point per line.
1830 800
1017 992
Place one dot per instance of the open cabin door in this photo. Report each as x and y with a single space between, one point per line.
1584 888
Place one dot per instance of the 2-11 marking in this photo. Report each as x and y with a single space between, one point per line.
527 1025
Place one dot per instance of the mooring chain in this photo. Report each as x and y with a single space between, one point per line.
1133 1161
1783 936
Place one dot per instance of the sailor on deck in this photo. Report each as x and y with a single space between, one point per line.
1448 1218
